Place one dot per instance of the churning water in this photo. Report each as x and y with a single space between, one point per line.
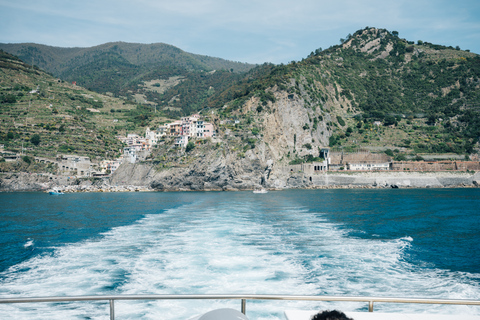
396 243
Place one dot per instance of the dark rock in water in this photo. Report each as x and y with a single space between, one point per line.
394 186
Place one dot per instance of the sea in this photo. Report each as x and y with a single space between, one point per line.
409 243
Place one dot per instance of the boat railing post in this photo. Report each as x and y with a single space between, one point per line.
370 306
112 310
244 306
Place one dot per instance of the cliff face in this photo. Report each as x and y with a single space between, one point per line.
214 170
285 130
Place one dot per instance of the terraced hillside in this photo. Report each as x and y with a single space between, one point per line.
43 116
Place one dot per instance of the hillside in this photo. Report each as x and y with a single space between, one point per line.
42 116
61 61
374 92
129 70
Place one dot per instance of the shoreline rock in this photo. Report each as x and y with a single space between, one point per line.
24 182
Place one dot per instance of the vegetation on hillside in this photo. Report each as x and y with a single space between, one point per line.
373 90
121 69
425 97
42 116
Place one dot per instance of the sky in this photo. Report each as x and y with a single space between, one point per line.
253 31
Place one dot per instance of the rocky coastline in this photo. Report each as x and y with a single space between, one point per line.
181 181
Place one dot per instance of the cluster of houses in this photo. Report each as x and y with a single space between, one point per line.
138 147
182 130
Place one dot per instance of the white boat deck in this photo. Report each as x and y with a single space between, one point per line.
308 314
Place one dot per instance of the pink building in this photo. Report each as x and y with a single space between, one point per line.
205 129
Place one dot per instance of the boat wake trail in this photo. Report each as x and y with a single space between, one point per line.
214 246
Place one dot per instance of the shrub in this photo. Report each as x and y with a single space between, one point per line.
35 139
27 159
296 161
190 146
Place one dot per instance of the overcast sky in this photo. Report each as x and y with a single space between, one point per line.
253 31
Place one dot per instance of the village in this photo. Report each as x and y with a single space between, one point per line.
138 148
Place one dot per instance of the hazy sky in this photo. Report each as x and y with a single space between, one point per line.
254 31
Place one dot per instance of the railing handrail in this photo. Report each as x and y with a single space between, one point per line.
242 297
238 297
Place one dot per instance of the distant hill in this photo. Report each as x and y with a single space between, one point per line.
61 61
121 69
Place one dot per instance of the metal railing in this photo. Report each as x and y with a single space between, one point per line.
242 298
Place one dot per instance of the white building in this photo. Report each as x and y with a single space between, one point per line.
75 165
181 141
189 126
110 165
153 136
130 154
368 165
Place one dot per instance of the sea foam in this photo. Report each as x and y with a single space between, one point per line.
228 247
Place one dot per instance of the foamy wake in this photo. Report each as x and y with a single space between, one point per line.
227 249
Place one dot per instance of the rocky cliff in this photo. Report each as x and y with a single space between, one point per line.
21 182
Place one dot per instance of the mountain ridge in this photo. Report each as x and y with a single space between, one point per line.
135 53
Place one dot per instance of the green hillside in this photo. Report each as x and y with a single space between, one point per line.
122 69
42 116
374 91
60 61
426 97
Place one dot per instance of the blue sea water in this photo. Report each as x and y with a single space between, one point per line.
391 242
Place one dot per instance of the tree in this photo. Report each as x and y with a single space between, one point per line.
395 33
190 146
348 132
389 120
27 159
35 139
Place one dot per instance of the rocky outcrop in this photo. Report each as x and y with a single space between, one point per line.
214 170
217 172
21 181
